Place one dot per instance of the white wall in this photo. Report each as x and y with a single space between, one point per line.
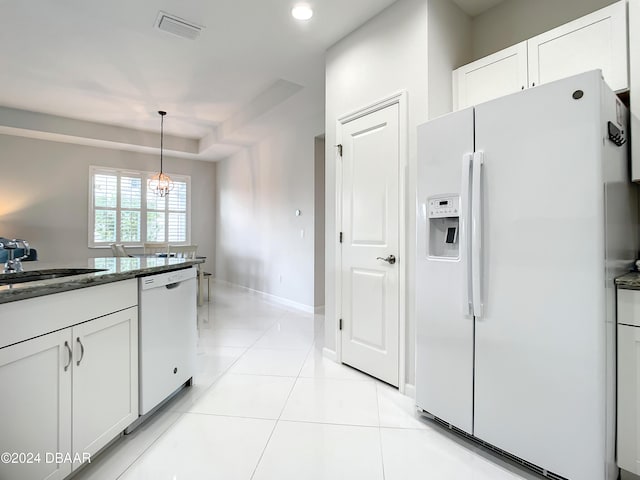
412 46
516 20
44 195
386 55
258 236
319 186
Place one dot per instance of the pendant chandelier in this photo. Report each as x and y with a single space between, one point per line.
161 183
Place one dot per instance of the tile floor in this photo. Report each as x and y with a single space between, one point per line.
267 406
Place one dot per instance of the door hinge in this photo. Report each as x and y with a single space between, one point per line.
340 237
340 324
339 146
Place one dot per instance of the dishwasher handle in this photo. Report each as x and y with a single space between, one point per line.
171 286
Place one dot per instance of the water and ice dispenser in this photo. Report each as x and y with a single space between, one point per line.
443 212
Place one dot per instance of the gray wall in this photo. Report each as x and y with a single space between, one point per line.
259 243
44 195
516 20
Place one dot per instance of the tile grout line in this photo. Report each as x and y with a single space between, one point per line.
280 415
182 414
178 417
307 422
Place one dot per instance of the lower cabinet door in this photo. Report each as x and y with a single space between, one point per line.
105 380
629 398
35 424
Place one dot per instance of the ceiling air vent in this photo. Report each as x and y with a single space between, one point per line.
177 26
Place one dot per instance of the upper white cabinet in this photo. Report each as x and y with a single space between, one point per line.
490 77
598 40
595 41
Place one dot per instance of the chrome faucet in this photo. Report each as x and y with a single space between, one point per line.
14 265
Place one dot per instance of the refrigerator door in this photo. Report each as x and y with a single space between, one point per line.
539 351
444 331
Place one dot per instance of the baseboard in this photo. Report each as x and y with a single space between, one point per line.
330 354
272 298
410 390
319 310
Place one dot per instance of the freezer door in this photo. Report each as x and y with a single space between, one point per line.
444 337
539 351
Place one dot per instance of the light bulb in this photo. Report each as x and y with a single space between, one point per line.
302 12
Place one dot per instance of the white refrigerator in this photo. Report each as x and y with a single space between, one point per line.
525 216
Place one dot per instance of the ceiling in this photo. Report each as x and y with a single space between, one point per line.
104 62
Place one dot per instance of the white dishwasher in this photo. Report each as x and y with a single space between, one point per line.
168 334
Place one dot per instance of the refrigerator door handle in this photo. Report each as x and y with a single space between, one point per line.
465 238
476 234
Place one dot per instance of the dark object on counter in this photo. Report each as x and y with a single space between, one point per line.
18 252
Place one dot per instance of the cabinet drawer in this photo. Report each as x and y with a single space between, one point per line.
629 307
29 318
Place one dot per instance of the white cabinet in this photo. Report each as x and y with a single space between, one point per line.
70 391
105 379
629 380
595 41
490 77
629 398
36 405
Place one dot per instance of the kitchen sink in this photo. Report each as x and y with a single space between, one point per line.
39 275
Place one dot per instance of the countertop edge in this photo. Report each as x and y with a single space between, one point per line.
80 281
629 281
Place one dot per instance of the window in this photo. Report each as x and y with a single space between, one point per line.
123 210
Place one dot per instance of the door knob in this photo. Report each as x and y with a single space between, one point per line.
390 259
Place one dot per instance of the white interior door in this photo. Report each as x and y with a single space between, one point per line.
370 226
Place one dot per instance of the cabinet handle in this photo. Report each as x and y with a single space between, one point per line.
81 351
66 344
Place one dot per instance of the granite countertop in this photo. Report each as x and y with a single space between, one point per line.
113 269
629 281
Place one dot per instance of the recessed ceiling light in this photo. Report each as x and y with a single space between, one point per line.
302 12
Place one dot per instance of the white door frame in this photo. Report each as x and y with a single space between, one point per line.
399 98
